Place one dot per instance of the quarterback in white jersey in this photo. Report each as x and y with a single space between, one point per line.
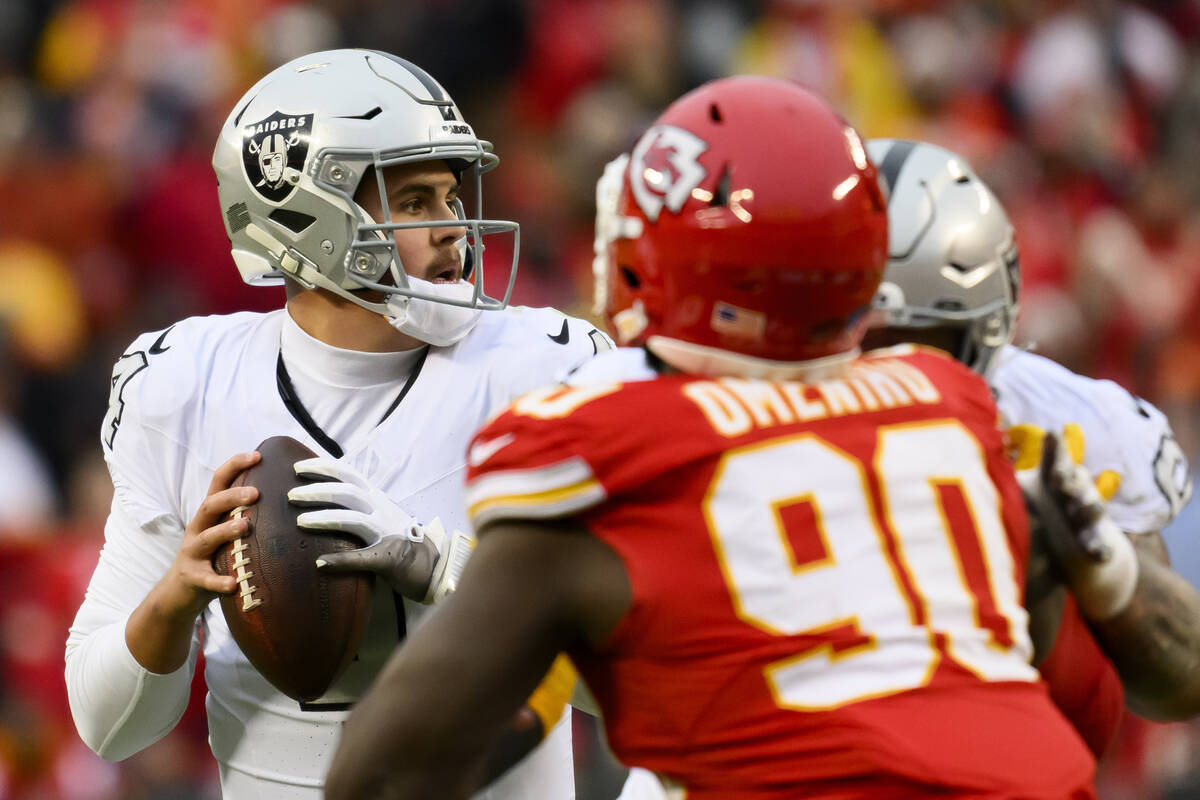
952 282
385 361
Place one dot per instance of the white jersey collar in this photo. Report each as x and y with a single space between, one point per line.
322 363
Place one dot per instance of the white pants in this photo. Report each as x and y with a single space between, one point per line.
547 773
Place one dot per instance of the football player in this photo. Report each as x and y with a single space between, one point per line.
952 282
367 208
783 570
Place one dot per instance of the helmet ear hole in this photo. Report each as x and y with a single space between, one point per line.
294 221
631 278
367 184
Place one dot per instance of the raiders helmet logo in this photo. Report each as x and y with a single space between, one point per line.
664 170
274 151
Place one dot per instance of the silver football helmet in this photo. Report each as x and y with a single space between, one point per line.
952 253
290 159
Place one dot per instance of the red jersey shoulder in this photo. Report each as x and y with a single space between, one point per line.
583 442
588 420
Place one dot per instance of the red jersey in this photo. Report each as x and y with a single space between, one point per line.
1083 683
826 578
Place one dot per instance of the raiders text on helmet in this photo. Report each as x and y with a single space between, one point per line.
274 151
727 251
952 253
291 157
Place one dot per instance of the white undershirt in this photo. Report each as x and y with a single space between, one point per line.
346 392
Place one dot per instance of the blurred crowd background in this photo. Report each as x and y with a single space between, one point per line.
1083 116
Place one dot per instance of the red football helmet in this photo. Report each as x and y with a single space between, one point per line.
750 233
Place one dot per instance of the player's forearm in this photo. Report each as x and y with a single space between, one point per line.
398 743
159 631
385 753
523 734
534 720
1155 644
412 775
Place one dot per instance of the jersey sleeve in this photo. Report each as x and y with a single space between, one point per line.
149 394
527 467
561 450
118 706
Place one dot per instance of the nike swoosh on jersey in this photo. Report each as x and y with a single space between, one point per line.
563 336
157 347
482 451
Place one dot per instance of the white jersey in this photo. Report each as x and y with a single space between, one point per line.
182 402
1122 434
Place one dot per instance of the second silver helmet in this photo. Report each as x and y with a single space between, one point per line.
952 252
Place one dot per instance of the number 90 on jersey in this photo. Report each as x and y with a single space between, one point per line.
906 561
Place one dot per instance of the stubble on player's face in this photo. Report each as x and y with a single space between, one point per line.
419 192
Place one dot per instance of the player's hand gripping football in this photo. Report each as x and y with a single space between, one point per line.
1097 558
420 562
191 582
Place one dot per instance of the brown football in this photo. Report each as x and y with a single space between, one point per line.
298 626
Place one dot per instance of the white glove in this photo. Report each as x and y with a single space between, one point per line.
403 552
1097 557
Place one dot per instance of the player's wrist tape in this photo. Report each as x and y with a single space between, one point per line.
1105 580
1099 561
1103 590
453 551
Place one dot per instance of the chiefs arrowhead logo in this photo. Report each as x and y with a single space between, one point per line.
664 169
274 151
